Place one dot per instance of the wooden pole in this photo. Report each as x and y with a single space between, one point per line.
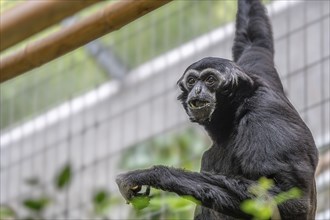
32 17
109 19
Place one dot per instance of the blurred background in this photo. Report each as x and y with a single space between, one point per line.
70 126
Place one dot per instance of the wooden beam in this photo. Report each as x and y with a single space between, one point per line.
32 17
109 19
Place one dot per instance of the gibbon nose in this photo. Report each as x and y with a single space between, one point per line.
198 89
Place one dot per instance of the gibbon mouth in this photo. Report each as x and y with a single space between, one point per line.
198 103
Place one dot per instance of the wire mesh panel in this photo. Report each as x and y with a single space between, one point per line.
79 121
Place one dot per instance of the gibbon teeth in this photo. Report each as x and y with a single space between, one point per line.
197 103
135 187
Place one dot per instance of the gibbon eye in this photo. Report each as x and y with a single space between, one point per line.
210 80
191 81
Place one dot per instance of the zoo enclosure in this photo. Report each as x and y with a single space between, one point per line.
95 129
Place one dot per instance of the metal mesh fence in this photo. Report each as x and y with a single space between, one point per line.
127 116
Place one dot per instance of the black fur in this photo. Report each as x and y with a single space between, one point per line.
255 130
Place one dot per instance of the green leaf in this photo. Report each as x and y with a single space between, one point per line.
6 213
101 202
266 183
64 177
100 197
293 193
261 189
258 209
36 205
192 199
140 202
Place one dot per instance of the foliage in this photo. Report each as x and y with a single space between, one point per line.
163 205
64 177
102 202
263 206
293 193
140 202
169 149
173 149
36 205
6 213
